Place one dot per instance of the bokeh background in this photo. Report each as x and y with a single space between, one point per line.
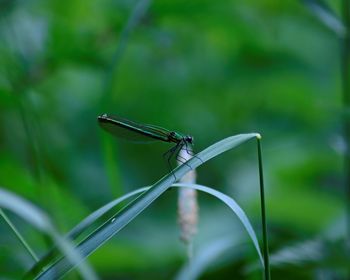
210 69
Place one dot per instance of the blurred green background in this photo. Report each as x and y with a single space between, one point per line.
210 69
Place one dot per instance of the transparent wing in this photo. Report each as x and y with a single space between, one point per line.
132 131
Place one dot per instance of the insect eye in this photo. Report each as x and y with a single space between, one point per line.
189 139
172 133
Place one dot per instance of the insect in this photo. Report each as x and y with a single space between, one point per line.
144 133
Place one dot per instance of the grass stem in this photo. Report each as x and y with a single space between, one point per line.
267 275
19 236
345 71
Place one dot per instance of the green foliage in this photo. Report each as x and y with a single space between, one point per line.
209 69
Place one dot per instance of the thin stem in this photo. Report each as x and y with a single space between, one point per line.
111 76
263 214
136 15
345 59
19 236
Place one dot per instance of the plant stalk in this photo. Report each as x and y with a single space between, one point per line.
267 275
19 236
345 71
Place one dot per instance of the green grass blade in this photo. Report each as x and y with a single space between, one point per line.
82 227
133 209
24 209
234 207
19 236
205 258
326 16
93 217
267 274
39 220
300 253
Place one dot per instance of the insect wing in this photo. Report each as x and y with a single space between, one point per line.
130 130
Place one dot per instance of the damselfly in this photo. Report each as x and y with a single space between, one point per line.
144 133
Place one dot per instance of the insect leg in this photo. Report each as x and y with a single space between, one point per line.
184 160
191 153
171 152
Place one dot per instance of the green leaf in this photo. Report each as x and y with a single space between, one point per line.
326 15
93 217
39 220
234 207
205 258
133 209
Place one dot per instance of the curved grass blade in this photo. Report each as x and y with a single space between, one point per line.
133 209
300 253
204 259
81 227
326 16
92 218
39 220
89 220
19 236
234 207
